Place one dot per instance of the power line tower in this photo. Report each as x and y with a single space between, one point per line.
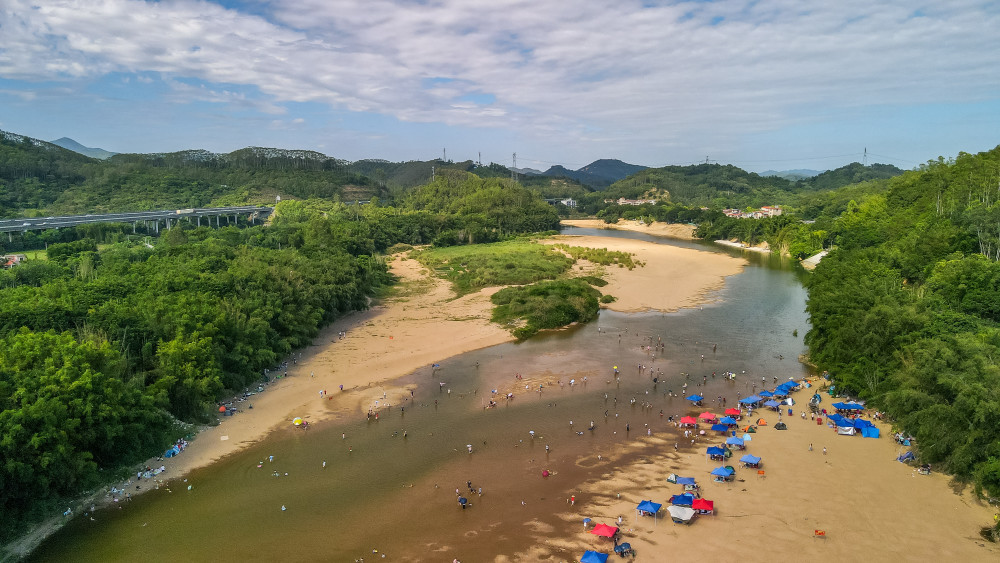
444 155
864 161
513 170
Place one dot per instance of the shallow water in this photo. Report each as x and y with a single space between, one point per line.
381 491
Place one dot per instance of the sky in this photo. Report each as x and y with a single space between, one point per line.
761 84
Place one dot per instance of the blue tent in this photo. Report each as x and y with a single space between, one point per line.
870 432
728 420
715 450
750 400
848 406
682 500
686 481
722 472
766 393
695 398
861 424
720 427
593 557
835 418
734 441
649 506
771 403
845 423
750 459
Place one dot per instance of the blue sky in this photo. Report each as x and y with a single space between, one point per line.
762 84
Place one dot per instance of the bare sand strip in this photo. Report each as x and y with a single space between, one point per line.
671 230
672 278
868 505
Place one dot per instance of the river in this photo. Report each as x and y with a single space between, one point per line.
345 489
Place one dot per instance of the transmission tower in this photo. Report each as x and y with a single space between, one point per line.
864 161
513 170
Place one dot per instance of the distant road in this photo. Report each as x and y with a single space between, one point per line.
41 223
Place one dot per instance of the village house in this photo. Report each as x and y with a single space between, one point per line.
766 211
10 260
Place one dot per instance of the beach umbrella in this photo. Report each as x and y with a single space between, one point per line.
545 473
689 420
733 411
751 459
297 421
707 416
222 409
727 420
593 557
695 398
463 501
604 530
585 522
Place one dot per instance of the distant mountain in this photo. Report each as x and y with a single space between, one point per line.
793 175
70 144
528 171
598 174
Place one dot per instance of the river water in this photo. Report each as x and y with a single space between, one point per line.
381 490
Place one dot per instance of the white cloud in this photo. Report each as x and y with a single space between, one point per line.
600 71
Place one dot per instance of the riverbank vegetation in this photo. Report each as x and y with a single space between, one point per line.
545 305
904 311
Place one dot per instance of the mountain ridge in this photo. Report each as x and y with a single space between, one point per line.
92 152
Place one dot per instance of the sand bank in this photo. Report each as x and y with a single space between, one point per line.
671 230
672 277
868 504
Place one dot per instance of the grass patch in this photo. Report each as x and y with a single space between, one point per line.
471 268
608 299
546 304
594 280
601 256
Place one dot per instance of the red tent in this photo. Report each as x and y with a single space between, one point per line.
689 420
604 530
701 504
707 416
733 411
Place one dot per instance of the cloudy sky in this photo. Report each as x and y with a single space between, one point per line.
765 84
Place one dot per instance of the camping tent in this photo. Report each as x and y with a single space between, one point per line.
680 514
682 500
593 557
781 426
870 432
703 506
